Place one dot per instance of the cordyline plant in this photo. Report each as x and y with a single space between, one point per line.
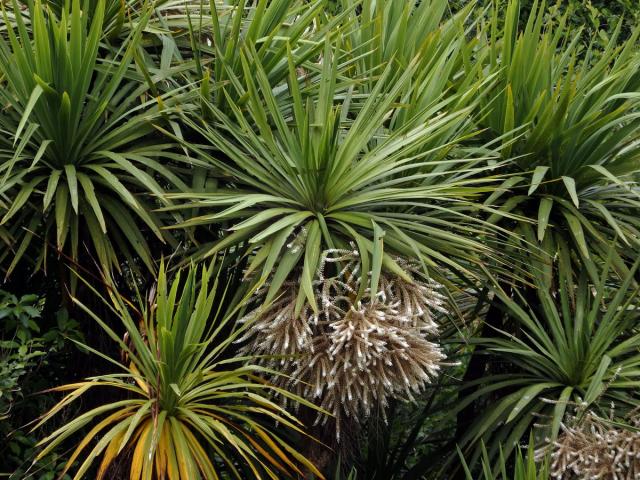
308 178
417 36
269 28
577 344
209 35
387 31
572 125
77 152
400 33
187 411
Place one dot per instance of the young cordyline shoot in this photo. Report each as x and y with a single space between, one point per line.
356 351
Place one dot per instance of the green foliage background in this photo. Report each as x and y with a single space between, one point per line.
491 146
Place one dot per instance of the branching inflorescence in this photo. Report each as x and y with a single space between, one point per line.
355 352
597 448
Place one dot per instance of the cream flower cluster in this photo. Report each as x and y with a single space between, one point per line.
356 352
595 448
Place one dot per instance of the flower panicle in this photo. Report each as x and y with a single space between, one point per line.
357 352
